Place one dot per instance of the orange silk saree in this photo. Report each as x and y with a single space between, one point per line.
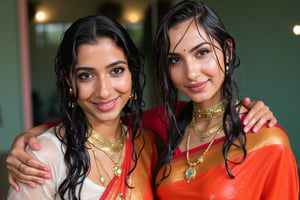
268 172
141 178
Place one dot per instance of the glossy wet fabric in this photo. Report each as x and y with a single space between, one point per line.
141 178
269 172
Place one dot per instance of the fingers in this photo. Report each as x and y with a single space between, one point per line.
246 102
13 183
27 175
258 116
23 168
32 142
272 122
28 167
12 179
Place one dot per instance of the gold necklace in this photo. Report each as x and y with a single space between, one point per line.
207 133
105 145
116 168
102 179
190 172
209 113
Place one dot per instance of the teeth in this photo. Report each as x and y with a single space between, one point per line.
107 104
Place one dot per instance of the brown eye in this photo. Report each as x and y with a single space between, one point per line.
117 70
202 52
85 76
173 60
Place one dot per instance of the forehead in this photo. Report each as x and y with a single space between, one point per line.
105 45
187 34
103 51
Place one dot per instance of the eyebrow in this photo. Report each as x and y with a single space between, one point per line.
197 46
191 50
108 66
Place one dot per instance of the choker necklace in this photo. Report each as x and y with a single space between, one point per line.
105 145
209 113
190 172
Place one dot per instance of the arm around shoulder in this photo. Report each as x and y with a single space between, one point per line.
51 154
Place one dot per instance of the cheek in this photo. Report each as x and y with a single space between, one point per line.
85 90
175 74
212 68
123 84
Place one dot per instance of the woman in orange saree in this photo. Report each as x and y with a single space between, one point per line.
209 156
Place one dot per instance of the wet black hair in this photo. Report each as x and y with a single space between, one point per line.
205 17
88 30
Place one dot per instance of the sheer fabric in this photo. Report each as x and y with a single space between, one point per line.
51 153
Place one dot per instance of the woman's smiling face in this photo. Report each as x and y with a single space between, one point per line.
104 80
196 63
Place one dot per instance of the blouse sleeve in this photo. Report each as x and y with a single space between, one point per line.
51 124
51 154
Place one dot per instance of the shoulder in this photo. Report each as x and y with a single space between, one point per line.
48 139
267 136
51 147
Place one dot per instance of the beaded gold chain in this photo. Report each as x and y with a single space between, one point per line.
116 166
98 163
190 172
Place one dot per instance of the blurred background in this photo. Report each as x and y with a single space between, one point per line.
265 31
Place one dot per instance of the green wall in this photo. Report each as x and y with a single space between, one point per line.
270 56
10 82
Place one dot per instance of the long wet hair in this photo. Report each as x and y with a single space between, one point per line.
213 26
73 132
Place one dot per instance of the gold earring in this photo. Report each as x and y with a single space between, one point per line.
133 96
70 92
226 69
70 103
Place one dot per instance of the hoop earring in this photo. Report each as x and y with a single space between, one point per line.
71 104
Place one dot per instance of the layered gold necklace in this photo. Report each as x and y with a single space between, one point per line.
109 149
104 144
116 167
206 114
190 172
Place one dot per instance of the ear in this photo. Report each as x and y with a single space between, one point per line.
68 81
229 44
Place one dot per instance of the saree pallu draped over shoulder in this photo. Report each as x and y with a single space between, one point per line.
141 178
268 172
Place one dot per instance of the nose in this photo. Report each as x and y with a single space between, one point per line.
192 70
103 86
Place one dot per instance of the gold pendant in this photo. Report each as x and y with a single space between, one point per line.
117 170
189 173
102 179
120 196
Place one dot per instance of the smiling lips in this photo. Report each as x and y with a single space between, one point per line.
106 106
197 87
